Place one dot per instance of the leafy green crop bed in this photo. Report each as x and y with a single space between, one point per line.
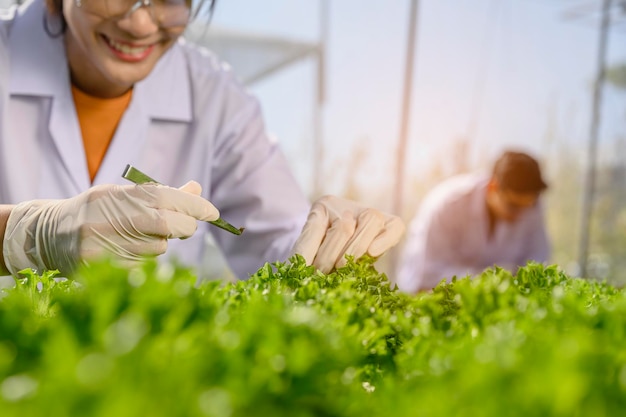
293 342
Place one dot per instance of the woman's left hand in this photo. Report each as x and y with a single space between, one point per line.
337 227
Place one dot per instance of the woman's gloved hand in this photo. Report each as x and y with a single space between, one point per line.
130 222
337 227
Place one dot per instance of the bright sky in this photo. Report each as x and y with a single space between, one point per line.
516 67
500 73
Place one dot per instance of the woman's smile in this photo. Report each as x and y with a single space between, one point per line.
126 51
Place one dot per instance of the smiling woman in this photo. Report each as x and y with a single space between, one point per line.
103 34
116 85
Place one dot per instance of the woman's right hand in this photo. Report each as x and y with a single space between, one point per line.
130 222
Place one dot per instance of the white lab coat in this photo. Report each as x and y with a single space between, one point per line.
189 119
449 236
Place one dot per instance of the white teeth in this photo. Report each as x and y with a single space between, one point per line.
128 50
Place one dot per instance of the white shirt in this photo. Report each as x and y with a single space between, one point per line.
449 236
189 119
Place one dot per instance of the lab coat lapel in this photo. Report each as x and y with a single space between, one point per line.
39 68
125 148
166 92
65 132
41 63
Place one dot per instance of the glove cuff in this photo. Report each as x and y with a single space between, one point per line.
23 246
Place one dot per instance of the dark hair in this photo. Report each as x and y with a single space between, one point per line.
55 7
518 172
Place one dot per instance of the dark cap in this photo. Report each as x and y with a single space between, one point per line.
518 172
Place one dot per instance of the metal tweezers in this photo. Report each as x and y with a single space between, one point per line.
133 174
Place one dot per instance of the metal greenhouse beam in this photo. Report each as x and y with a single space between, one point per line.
590 179
398 196
320 99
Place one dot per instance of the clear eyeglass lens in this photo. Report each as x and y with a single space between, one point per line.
168 13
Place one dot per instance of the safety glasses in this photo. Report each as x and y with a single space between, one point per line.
165 13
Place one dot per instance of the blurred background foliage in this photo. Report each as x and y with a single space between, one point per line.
489 75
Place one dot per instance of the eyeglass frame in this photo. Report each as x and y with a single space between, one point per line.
144 3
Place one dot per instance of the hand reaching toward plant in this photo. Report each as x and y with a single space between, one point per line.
337 227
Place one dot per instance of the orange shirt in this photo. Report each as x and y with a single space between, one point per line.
98 118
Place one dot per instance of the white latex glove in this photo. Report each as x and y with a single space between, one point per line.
337 227
130 222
